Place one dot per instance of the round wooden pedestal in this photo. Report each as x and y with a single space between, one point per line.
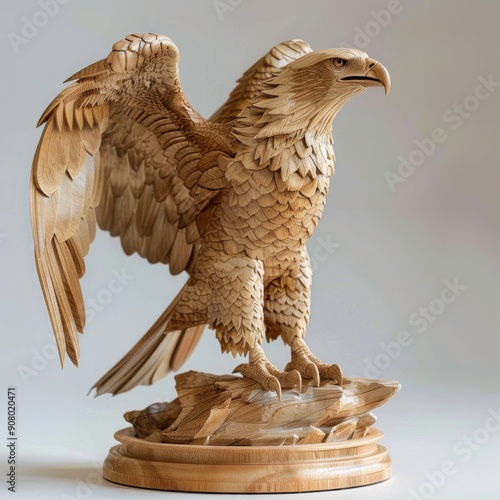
247 469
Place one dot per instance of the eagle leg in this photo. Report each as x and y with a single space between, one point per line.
267 375
309 366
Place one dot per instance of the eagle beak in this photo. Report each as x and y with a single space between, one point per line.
380 74
376 76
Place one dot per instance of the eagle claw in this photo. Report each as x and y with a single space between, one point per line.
310 366
273 385
268 376
312 372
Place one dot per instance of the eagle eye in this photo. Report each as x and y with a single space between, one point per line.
338 62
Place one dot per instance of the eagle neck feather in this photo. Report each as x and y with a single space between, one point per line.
295 105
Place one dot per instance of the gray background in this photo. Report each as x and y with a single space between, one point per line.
388 251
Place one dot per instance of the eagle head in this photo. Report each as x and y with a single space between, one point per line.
346 71
309 92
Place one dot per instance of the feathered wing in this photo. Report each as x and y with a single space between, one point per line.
121 142
157 353
122 145
66 184
267 66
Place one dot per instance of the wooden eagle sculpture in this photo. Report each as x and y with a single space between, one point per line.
231 200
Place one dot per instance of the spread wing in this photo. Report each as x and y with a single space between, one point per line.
123 146
267 66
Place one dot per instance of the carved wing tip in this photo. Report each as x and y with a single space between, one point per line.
90 71
297 43
289 50
43 119
128 54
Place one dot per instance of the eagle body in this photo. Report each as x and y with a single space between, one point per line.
231 200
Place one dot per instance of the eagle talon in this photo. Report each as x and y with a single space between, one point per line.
293 378
239 369
311 367
312 372
267 375
334 372
274 385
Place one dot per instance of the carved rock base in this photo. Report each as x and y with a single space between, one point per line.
224 434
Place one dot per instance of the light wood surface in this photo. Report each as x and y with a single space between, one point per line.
233 410
231 200
226 434
247 469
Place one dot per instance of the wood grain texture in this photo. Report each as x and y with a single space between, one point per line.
226 434
231 200
247 469
235 411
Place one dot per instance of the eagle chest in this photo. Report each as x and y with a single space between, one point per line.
278 206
